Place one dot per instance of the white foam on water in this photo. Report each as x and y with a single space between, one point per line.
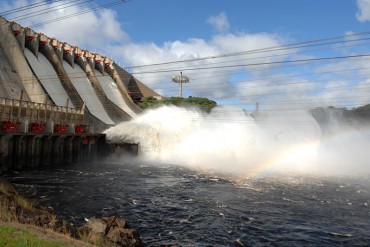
229 141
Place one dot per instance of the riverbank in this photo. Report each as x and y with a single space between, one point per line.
15 234
21 218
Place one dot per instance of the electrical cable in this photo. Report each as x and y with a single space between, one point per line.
81 12
27 7
252 64
266 49
48 10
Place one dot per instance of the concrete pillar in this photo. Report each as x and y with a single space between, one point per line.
89 58
68 53
58 49
18 32
2 154
98 62
85 148
32 40
92 148
19 151
58 150
6 152
77 150
46 150
68 150
33 153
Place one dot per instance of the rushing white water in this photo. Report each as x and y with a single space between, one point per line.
226 140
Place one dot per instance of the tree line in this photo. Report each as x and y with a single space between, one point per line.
203 104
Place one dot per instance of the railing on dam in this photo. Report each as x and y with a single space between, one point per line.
24 116
35 134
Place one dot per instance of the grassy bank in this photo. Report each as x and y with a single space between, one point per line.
24 225
19 235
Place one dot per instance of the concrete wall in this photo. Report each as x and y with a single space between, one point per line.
15 39
28 150
14 53
31 104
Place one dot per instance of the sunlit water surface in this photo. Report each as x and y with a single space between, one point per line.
175 206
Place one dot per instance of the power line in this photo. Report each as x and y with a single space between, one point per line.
262 50
64 5
250 64
27 7
55 8
298 52
81 12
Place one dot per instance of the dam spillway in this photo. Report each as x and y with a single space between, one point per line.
56 100
87 93
111 90
48 78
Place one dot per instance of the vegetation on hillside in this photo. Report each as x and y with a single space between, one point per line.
202 103
356 113
362 111
330 117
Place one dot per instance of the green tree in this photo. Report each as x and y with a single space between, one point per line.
362 111
148 102
204 104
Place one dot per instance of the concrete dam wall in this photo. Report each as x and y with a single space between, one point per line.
56 99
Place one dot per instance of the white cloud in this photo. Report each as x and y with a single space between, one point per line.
89 30
101 32
363 13
219 22
226 80
212 82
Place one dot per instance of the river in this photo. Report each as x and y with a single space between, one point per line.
176 206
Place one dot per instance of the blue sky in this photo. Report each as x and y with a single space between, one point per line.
144 32
165 20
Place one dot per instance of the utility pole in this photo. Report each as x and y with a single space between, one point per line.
180 79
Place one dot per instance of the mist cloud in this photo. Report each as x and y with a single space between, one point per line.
229 142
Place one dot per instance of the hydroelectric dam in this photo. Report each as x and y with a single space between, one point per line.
57 99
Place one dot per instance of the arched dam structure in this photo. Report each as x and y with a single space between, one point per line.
57 99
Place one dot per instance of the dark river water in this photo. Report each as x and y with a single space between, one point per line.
174 206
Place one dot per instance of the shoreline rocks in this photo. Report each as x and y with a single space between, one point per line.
105 231
113 229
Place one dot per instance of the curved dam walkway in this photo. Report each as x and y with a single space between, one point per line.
56 100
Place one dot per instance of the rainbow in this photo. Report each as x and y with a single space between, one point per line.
290 155
299 157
